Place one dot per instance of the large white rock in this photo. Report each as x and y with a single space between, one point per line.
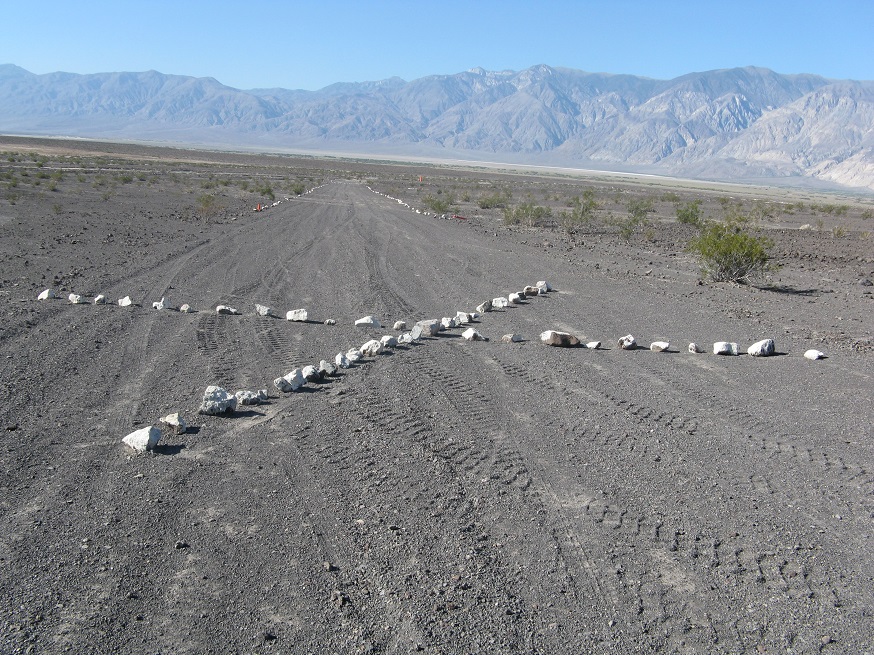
161 304
368 321
500 303
354 355
291 381
814 354
298 315
628 342
48 294
186 309
389 341
217 400
511 338
763 348
659 346
405 338
462 318
125 302
724 348
593 345
263 310
484 307
174 423
543 284
99 299
330 321
429 327
400 325
472 335
76 299
371 348
342 360
226 309
694 348
515 298
561 339
448 322
144 439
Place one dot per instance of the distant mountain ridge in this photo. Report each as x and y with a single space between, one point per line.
733 124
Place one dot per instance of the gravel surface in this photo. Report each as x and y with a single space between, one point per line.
442 497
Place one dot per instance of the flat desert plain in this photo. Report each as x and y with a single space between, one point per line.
444 496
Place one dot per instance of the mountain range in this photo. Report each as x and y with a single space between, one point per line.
742 124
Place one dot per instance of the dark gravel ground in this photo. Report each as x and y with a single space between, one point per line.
445 497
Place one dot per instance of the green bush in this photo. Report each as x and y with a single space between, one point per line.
728 253
526 214
690 213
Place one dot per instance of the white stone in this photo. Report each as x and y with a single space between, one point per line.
659 346
326 368
186 309
372 348
484 307
462 318
543 284
246 397
291 381
341 360
76 299
763 348
175 423
561 339
472 335
125 302
627 342
298 315
814 354
694 348
100 299
530 291
330 321
448 322
724 348
263 310
46 295
515 298
500 303
225 309
511 338
400 325
368 321
217 400
354 355
405 338
593 345
161 304
389 341
311 373
144 439
430 326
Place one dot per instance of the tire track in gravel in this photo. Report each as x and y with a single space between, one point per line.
682 551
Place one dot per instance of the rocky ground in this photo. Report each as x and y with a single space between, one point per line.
447 496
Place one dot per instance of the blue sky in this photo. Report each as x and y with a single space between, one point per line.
308 45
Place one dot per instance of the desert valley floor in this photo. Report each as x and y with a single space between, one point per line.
444 496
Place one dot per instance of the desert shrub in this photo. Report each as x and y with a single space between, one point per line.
298 188
438 205
728 253
689 213
207 205
496 200
669 196
867 214
582 210
526 214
